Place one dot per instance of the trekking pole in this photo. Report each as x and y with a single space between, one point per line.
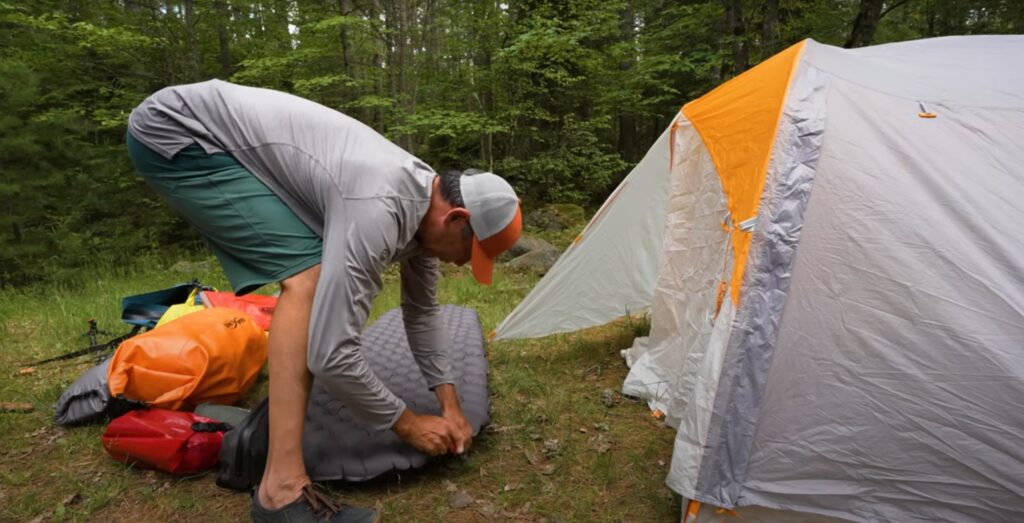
95 347
94 333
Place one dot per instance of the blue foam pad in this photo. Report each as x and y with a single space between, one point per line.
336 447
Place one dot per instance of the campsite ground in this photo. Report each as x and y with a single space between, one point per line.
554 451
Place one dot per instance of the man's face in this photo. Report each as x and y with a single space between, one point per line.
458 251
454 244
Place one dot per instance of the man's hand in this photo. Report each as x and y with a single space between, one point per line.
462 434
429 434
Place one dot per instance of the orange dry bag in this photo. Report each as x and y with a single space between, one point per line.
212 355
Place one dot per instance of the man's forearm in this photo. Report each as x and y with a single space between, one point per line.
447 397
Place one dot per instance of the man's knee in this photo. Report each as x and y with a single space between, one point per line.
303 283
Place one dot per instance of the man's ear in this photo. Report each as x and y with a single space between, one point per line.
456 216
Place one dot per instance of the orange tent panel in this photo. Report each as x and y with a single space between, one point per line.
737 123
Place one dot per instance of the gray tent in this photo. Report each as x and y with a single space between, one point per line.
831 249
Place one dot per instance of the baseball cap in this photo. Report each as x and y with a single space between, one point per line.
495 217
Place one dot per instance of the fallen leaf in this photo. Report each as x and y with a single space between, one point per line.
547 469
661 462
16 406
58 432
449 486
600 443
26 371
71 499
525 509
45 515
603 426
498 429
460 499
583 430
488 510
510 487
532 458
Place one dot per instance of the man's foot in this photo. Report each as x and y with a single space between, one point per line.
274 495
312 506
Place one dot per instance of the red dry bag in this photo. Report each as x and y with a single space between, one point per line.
167 440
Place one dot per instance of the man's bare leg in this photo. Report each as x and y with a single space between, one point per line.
290 380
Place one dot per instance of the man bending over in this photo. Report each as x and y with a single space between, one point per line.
286 190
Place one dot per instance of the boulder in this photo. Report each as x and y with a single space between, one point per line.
539 261
556 217
524 245
190 267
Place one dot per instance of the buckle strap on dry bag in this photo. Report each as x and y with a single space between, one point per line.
207 426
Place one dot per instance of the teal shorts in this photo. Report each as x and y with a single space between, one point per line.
256 237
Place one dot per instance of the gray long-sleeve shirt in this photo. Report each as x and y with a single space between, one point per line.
362 194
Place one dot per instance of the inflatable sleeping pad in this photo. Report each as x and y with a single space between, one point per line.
335 445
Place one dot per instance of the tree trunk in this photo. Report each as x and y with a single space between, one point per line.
223 38
930 16
865 24
378 69
737 31
171 33
627 124
392 60
403 51
417 30
345 9
190 35
771 21
431 41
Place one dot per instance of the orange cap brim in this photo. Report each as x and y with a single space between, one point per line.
485 252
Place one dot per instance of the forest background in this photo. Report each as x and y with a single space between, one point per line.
561 97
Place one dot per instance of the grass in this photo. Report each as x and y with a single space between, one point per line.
554 451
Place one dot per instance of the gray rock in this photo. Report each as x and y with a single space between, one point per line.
608 398
191 267
552 447
539 261
524 245
555 217
601 444
460 499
